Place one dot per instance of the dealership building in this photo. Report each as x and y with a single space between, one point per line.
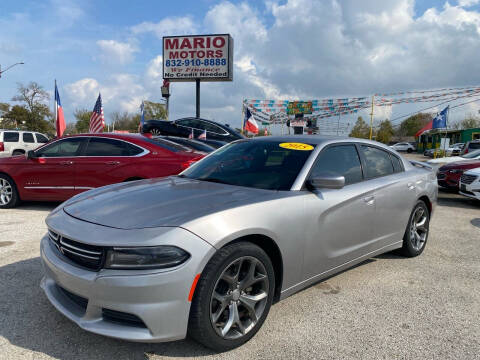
432 139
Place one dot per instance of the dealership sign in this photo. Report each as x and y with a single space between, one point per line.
299 107
204 57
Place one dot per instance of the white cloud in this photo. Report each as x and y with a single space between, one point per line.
115 52
168 26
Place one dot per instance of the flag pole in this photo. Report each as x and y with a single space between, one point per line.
446 129
371 117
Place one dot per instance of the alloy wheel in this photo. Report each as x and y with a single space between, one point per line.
5 192
155 132
418 228
239 297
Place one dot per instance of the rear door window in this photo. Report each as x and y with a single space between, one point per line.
397 164
11 136
377 162
339 160
41 139
106 147
212 128
28 138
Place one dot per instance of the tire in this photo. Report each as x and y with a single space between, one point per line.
409 151
415 237
209 312
18 152
8 192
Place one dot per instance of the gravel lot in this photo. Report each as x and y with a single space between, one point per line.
387 307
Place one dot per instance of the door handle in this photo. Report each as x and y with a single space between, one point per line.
112 162
369 200
411 186
66 163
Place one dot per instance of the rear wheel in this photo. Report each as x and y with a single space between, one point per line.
416 234
409 151
233 297
8 193
155 132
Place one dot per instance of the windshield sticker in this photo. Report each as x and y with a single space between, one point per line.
296 146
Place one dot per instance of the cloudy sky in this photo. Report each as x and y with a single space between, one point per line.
295 49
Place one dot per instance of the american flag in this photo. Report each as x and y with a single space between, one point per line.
97 120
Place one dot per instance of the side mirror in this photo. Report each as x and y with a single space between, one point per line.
31 154
326 182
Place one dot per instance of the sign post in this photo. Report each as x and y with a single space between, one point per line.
198 58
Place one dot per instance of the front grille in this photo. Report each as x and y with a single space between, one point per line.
122 318
441 176
80 301
468 179
84 255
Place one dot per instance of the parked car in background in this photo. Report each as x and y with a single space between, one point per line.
403 146
471 146
455 149
470 184
208 251
184 127
474 155
429 152
71 165
448 175
196 145
15 142
214 143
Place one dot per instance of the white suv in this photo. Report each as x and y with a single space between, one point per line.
470 183
403 146
14 142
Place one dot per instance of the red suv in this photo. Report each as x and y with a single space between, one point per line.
448 175
70 165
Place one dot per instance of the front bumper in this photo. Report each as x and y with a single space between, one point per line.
471 190
157 298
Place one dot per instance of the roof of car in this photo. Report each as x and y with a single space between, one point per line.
312 139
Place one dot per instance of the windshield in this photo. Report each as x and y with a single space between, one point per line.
472 155
270 165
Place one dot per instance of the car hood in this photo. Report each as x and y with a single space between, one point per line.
170 201
466 164
445 160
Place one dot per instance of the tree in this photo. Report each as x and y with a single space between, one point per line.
125 121
16 118
467 123
39 118
155 110
361 129
411 125
385 132
71 129
83 120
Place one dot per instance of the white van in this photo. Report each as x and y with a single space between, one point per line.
14 142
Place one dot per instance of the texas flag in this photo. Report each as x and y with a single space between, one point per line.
249 123
438 122
59 118
203 136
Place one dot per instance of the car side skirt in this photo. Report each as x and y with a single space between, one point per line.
302 285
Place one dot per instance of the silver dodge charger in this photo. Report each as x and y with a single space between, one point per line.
207 252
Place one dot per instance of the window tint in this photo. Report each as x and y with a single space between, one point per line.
61 148
186 122
10 136
167 144
28 138
378 162
41 139
340 160
397 164
133 149
106 147
474 146
212 128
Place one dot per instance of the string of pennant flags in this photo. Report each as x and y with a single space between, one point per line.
275 111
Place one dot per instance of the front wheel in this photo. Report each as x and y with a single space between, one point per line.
409 151
155 132
233 297
416 234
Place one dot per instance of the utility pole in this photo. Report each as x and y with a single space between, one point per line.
371 117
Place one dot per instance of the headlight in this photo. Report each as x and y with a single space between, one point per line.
155 257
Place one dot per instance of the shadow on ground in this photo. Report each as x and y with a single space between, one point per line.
30 322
